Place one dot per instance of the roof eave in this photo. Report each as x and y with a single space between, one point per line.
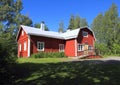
18 33
47 36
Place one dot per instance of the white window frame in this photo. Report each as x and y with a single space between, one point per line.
84 34
61 47
25 46
80 47
20 46
39 44
22 32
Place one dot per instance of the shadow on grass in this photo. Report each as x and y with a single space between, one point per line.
89 72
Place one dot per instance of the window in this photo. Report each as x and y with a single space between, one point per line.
40 46
85 34
61 47
22 32
90 47
25 46
20 47
80 47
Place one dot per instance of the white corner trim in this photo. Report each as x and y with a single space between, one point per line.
75 47
28 45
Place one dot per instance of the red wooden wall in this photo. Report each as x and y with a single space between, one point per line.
51 44
21 40
70 48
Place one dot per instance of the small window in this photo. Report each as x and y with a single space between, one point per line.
90 47
85 34
25 46
61 47
20 47
80 47
40 46
22 32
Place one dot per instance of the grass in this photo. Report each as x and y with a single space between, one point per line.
42 60
54 71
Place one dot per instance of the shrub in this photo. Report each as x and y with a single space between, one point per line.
7 59
48 55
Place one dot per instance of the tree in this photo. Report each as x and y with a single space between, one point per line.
61 27
37 25
83 22
10 19
110 25
107 28
77 22
98 29
11 16
71 22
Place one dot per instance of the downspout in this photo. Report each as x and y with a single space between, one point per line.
28 45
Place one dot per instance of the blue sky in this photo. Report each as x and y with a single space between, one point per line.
54 11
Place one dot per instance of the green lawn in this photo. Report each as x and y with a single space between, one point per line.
42 60
54 71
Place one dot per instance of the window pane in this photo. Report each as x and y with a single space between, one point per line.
40 46
85 34
20 47
80 47
24 46
61 47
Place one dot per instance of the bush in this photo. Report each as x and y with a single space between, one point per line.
48 55
7 59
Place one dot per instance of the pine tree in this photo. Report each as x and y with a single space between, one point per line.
83 22
61 27
71 22
77 22
11 16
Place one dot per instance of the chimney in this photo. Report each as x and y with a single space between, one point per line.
68 29
42 27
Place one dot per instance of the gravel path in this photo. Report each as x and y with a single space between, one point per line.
112 58
108 60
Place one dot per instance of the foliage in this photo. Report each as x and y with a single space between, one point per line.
11 16
71 23
61 27
48 55
76 22
7 58
102 49
10 19
107 29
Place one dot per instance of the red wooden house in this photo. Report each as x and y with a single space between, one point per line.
78 42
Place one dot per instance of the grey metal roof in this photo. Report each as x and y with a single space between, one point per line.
38 32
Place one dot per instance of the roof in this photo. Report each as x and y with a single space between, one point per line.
38 32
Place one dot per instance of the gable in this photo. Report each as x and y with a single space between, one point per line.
21 34
89 38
